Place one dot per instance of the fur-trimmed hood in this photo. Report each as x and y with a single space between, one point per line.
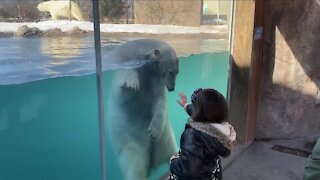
224 132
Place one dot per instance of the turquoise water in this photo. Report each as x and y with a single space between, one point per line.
49 128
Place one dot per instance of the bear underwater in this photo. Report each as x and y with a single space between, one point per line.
139 131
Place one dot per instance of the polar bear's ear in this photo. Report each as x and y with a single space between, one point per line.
156 52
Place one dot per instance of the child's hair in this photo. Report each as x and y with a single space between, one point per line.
210 107
194 95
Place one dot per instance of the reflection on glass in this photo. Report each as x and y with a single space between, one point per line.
216 12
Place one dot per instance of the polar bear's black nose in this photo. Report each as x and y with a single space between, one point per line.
171 89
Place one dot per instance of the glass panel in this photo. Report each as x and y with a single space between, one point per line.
48 94
137 79
48 99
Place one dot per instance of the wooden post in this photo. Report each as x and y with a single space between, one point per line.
256 70
70 10
240 64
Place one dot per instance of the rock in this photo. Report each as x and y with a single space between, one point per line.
76 31
33 32
291 75
53 32
21 31
25 31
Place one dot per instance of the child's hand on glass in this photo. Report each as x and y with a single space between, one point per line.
183 100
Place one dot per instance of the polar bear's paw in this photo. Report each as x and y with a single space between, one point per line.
131 83
154 132
129 80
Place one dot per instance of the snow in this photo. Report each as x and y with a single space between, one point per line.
66 25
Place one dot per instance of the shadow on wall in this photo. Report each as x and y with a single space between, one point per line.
291 76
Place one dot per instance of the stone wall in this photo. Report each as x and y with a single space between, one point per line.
173 12
291 70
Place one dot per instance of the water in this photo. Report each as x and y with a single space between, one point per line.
29 59
49 127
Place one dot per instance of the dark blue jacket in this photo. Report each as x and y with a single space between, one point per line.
199 156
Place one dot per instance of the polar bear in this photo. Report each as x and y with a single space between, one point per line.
140 133
60 9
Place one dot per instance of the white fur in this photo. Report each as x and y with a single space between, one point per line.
60 9
140 134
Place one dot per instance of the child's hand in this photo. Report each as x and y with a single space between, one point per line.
183 100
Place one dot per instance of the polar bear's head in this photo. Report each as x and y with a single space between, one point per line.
157 58
167 65
169 71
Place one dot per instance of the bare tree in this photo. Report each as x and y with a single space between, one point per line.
18 2
113 9
3 3
166 11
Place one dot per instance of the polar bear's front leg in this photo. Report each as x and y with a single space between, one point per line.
54 15
158 121
126 84
133 161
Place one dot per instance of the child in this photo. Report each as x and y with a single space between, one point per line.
206 137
